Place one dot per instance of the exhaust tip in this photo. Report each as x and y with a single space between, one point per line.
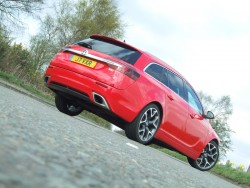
100 100
46 79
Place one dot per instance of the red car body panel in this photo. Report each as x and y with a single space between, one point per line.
181 126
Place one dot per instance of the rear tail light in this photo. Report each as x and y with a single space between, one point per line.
128 71
132 74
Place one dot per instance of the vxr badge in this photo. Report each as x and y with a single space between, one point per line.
85 52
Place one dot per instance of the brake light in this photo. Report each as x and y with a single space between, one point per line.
132 74
128 71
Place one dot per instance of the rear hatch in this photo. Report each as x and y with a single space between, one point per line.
101 58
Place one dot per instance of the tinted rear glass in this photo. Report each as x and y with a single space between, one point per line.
128 55
158 72
176 84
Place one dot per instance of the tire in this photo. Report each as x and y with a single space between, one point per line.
207 159
145 125
67 106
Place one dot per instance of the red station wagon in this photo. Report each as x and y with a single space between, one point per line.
135 91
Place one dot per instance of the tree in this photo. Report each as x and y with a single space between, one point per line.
11 8
98 16
42 46
222 109
71 22
14 58
4 42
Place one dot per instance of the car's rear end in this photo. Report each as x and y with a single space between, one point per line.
100 71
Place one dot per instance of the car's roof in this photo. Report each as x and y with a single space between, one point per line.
148 55
157 60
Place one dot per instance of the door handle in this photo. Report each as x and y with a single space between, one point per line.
170 97
195 116
192 116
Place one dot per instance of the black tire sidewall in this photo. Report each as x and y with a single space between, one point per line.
62 105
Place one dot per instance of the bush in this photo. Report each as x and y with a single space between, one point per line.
4 44
16 60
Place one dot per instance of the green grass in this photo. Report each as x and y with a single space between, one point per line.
30 88
95 119
232 174
170 152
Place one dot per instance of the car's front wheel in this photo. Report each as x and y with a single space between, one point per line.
145 125
207 159
67 106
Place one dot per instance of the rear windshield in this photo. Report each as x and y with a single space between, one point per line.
126 54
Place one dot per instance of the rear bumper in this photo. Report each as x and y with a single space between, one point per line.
120 102
68 91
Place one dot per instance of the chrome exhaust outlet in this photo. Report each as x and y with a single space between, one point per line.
46 79
100 100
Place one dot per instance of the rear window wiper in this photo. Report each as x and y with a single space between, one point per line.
84 44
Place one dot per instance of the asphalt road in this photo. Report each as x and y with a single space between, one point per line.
41 147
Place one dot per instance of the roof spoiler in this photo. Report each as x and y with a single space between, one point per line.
114 41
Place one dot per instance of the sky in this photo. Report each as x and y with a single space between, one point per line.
208 42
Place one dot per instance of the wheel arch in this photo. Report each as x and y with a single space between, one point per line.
158 104
160 108
212 136
216 141
132 129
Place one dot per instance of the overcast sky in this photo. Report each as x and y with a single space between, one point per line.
207 41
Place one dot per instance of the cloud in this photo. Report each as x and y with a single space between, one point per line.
240 153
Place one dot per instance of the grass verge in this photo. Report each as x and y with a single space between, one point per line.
228 172
233 174
30 88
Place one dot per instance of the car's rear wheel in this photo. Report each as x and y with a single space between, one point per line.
145 125
67 106
207 159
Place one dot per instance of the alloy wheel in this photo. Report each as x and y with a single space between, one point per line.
148 124
208 157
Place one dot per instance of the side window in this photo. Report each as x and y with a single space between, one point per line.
193 100
158 72
176 84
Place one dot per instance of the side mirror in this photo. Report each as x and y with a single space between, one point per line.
209 115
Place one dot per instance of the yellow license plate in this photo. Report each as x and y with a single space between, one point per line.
82 61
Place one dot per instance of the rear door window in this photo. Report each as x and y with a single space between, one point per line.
176 84
158 72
